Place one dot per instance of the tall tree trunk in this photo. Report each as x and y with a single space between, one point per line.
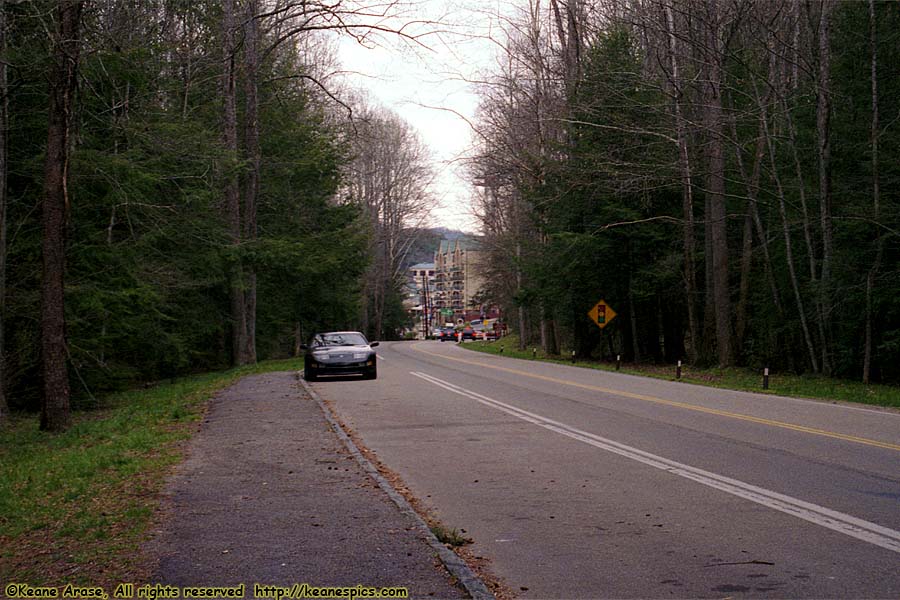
767 258
632 318
570 39
876 197
789 256
382 287
823 130
548 331
687 194
744 284
232 191
55 413
523 332
364 322
251 191
821 318
801 189
517 233
4 123
298 338
795 46
708 345
747 239
716 184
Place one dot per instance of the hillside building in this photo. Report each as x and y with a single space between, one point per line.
458 278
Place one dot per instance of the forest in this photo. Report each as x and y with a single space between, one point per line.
723 173
188 185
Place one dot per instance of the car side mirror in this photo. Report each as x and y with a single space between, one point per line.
304 347
373 344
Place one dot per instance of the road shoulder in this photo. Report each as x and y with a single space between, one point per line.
270 495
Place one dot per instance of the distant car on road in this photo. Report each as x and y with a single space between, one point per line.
468 333
447 334
339 353
483 330
489 334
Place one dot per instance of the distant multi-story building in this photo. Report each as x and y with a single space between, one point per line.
420 296
458 277
420 284
422 270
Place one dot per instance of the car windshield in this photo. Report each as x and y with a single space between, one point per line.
339 339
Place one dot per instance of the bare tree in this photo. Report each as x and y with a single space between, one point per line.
390 179
232 204
876 196
504 220
753 222
570 25
524 113
4 124
55 412
266 26
789 255
253 158
713 73
823 131
687 186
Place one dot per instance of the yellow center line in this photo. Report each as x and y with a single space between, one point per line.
684 405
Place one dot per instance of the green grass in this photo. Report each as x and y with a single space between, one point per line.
75 506
782 384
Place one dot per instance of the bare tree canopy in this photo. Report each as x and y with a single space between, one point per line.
389 178
603 113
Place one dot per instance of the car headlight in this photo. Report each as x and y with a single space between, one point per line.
359 356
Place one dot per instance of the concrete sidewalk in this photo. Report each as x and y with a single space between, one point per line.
269 494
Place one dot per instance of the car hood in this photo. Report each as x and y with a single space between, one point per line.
332 350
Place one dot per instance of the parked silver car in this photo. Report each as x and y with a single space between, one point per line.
339 353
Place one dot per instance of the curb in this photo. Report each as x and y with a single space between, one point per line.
453 563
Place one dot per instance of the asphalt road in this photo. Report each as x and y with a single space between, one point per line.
581 483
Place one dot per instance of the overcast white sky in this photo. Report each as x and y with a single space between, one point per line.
408 80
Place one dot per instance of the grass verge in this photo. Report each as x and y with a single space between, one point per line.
781 384
76 506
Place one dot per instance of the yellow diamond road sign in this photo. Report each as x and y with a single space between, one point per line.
602 314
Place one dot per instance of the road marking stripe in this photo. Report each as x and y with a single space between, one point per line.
694 407
860 529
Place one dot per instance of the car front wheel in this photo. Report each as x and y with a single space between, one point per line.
308 375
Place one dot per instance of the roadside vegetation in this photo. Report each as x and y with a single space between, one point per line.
76 506
722 175
224 205
734 378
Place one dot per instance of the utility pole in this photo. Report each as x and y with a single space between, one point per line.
425 305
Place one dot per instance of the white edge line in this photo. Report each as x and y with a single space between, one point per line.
836 521
455 565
